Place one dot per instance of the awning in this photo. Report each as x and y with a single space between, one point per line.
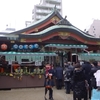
89 56
29 53
66 46
18 56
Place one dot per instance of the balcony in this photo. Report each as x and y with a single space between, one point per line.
54 1
43 12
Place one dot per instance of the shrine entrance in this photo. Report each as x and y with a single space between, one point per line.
64 53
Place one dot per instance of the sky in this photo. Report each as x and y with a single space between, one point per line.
80 13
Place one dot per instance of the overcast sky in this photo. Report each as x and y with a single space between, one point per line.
80 13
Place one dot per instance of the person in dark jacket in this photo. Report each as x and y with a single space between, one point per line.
79 83
59 76
93 70
87 68
67 73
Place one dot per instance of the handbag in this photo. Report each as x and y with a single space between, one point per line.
86 85
95 94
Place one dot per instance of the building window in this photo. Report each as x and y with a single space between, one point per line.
95 35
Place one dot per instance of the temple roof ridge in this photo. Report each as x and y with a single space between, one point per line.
64 21
58 27
55 12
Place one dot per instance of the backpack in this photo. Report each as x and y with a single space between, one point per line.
68 73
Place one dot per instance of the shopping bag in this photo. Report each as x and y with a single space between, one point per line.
95 94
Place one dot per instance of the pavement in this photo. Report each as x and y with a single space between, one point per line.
33 94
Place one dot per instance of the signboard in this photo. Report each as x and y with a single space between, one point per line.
38 63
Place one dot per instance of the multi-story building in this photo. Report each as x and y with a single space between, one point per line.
8 30
44 8
27 23
95 28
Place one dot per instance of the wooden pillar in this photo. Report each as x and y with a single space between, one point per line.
71 55
76 56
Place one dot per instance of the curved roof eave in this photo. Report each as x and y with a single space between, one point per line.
60 28
40 22
83 31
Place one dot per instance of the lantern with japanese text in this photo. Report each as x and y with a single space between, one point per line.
25 46
31 46
36 45
20 46
4 47
15 46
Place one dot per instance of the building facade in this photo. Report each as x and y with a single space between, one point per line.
27 23
44 8
53 40
95 28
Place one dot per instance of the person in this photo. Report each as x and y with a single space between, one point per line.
67 73
49 73
59 76
80 83
92 78
87 68
96 91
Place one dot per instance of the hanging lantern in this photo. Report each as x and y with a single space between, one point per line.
36 45
4 47
31 46
20 46
15 46
25 46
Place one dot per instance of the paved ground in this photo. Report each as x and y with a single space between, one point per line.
32 94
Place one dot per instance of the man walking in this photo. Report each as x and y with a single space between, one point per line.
59 76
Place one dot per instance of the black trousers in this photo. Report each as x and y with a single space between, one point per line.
84 98
59 83
67 86
50 92
90 92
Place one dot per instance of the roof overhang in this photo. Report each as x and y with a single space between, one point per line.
62 46
89 56
30 54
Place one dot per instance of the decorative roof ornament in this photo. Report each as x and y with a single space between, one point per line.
64 21
55 9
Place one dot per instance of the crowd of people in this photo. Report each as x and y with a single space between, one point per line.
76 77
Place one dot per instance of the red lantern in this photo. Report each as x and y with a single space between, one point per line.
4 47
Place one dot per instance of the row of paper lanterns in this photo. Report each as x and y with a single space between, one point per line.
15 46
31 46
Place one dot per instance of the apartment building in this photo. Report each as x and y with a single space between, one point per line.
95 28
44 8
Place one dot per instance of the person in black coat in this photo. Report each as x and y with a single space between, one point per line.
79 83
59 76
87 68
92 78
